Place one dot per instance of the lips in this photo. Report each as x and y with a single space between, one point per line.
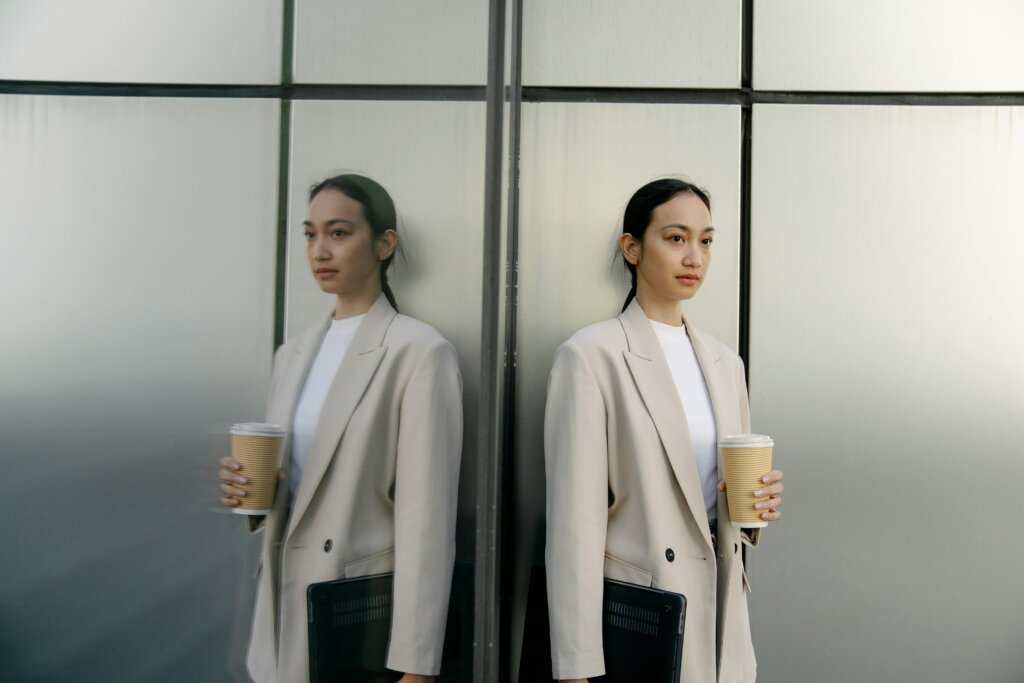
324 273
688 279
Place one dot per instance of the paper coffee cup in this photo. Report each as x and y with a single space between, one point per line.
746 458
256 446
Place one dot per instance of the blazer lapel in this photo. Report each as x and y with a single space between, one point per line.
357 369
726 421
708 361
653 379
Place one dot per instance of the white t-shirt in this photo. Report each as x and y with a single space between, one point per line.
700 417
314 392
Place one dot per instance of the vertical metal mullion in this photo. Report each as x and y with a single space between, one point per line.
746 115
283 164
511 318
745 234
487 621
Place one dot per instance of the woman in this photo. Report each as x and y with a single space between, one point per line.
634 408
372 404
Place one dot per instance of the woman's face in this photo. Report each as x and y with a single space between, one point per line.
343 253
673 258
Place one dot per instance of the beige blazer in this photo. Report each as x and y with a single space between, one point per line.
624 499
378 491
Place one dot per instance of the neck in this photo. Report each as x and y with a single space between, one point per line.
659 309
353 304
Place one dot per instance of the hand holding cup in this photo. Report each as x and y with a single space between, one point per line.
250 475
229 482
774 488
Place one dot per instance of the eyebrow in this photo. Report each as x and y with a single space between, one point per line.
333 221
686 228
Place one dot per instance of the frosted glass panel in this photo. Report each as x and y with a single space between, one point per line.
391 42
640 44
886 337
430 157
882 45
184 41
580 165
138 277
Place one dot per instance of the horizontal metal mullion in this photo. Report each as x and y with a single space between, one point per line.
302 91
477 93
633 95
937 99
458 93
743 96
137 89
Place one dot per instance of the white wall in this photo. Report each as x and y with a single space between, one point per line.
138 272
127 41
889 45
638 44
886 331
391 42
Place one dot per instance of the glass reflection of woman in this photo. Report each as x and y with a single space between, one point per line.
634 408
372 404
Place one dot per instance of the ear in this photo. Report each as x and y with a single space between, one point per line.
385 244
630 248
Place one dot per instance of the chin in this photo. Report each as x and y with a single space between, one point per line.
686 296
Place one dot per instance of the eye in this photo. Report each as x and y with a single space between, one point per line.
677 239
707 241
308 234
337 232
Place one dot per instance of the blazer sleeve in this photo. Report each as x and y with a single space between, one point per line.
426 492
576 469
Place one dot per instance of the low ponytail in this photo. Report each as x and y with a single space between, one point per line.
386 288
632 292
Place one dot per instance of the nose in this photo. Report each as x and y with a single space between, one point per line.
318 250
691 257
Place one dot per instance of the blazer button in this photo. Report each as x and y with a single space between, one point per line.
328 545
670 554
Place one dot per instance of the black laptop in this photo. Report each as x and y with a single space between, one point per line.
350 624
643 634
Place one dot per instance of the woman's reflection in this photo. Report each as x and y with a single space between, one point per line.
372 404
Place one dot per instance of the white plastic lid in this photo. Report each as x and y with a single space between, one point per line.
745 440
257 429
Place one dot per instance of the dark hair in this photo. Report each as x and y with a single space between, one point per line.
378 209
642 204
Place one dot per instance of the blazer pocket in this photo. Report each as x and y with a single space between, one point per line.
616 569
380 563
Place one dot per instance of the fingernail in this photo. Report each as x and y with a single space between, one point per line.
235 465
759 506
765 478
758 493
242 480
